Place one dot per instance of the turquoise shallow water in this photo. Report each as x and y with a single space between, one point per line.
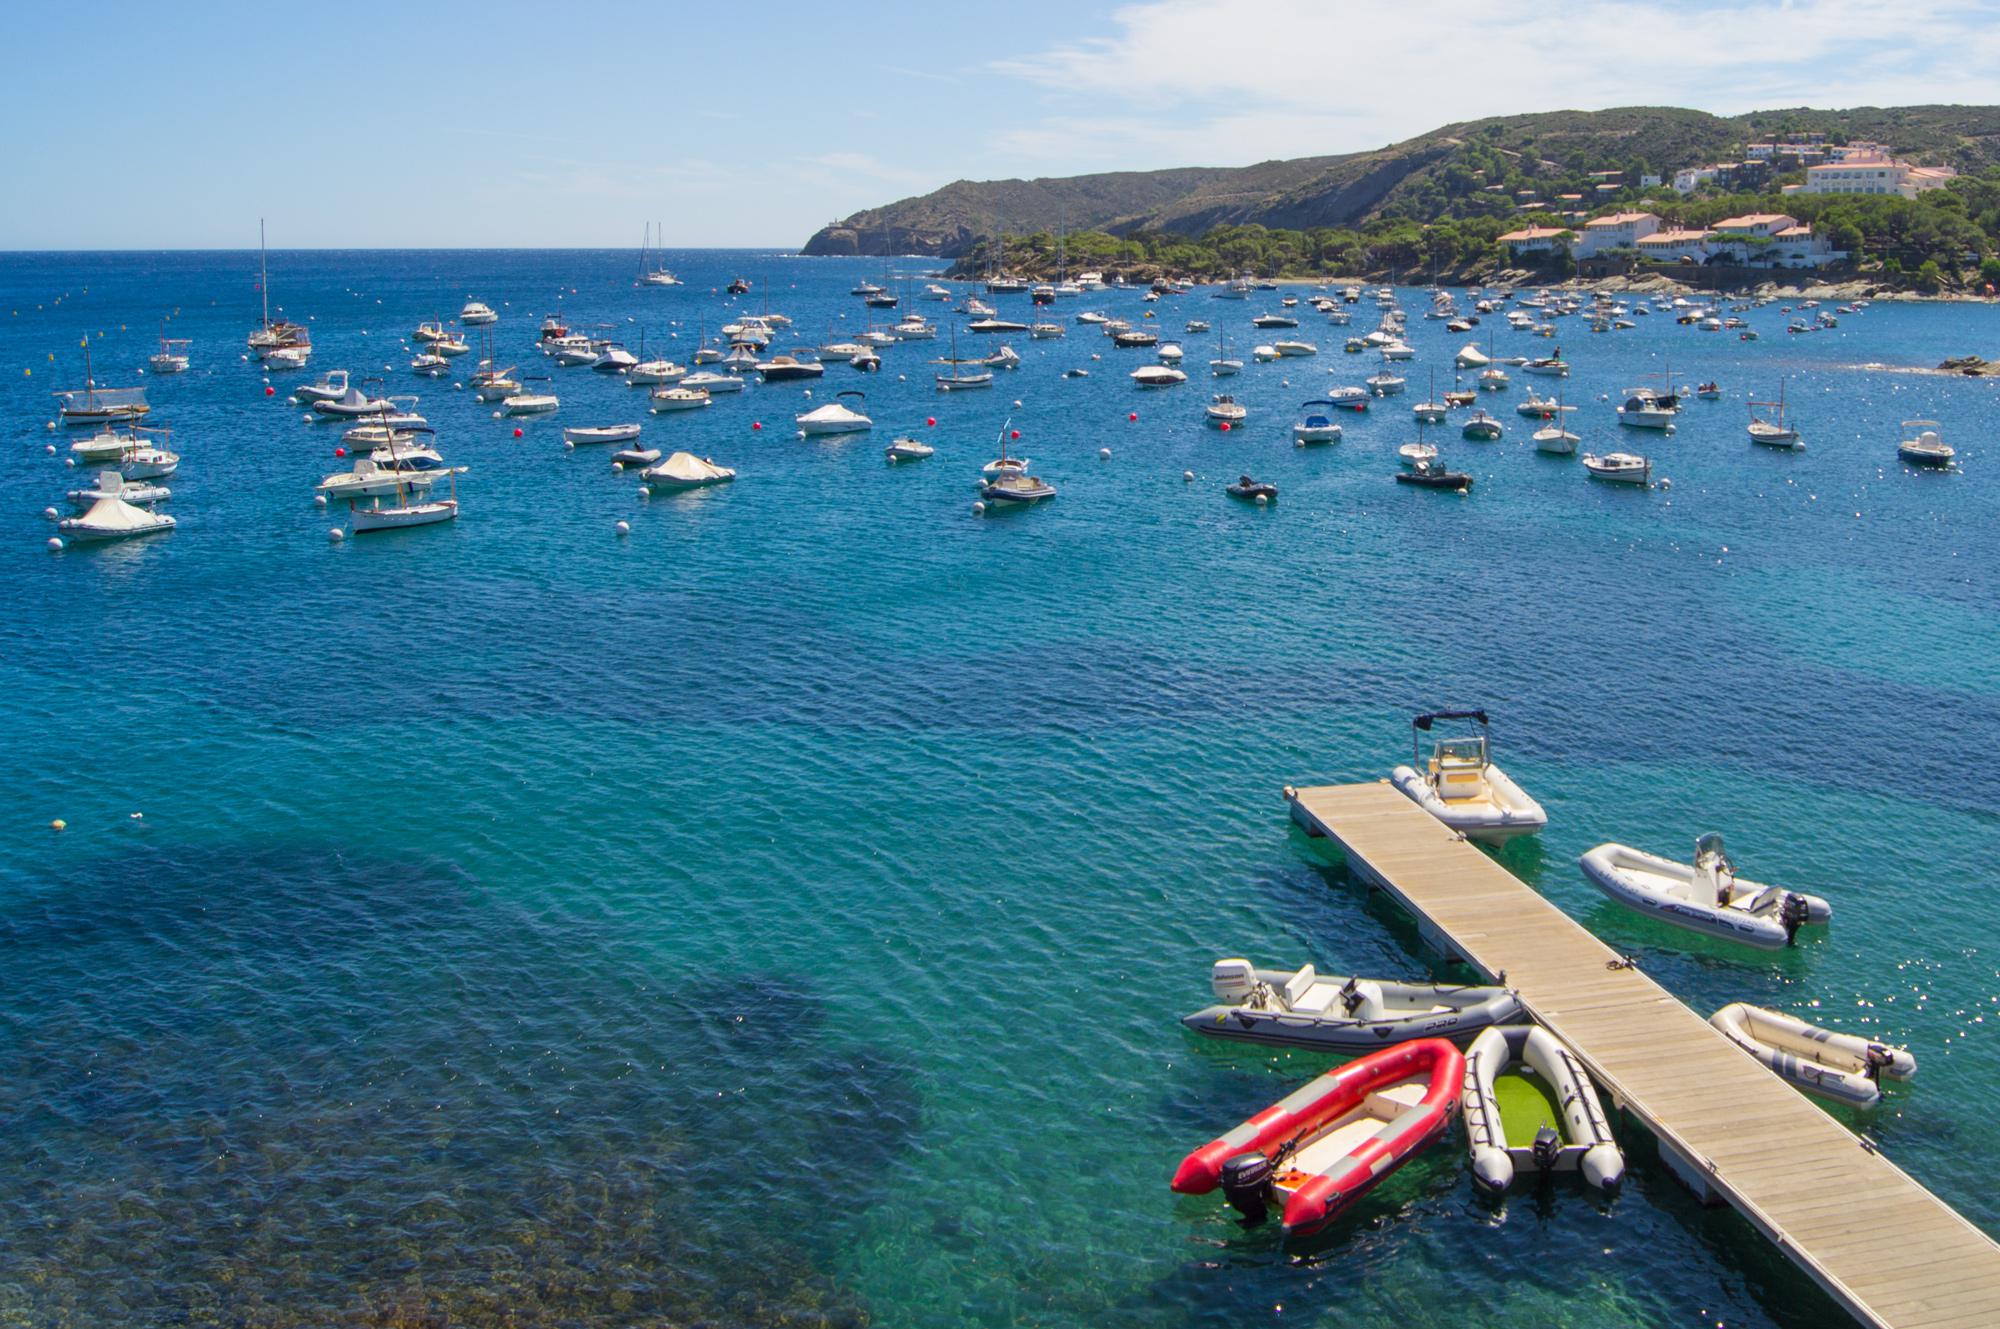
780 915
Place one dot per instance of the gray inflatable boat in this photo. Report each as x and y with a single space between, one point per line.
1333 1013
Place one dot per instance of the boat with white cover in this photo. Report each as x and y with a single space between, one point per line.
1157 376
1529 1106
1843 1067
112 518
909 449
1460 785
1706 896
1335 1013
530 403
684 470
712 383
836 417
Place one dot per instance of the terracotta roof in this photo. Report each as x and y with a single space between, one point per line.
1620 219
1533 233
1749 220
1796 233
1674 238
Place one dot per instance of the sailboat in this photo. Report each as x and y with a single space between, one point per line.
956 379
92 405
653 276
409 509
1222 366
1773 433
269 336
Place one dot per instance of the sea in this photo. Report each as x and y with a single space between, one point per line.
777 911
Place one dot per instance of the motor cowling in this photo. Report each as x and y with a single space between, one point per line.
1794 913
1246 1184
1547 1148
1233 981
1876 1058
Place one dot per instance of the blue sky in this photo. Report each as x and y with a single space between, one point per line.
175 126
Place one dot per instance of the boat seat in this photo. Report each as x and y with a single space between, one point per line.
1455 781
1296 987
1317 999
1397 1099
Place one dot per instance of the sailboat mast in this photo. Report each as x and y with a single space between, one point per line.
263 273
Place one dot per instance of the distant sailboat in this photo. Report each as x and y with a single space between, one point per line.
659 276
269 336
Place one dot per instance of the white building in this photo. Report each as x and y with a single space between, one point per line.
1875 175
1789 244
1691 178
1674 246
1536 239
1620 230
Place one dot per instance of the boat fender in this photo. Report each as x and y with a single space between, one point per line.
1246 1184
1793 913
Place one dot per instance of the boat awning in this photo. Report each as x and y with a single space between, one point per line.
1424 721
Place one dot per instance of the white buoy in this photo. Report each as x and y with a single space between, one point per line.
69 461
902 378
496 415
1104 454
617 466
55 545
51 449
1262 499
1188 476
51 425
644 493
624 528
336 535
458 387
809 392
568 446
50 513
1017 405
802 433
319 500
978 510
1666 484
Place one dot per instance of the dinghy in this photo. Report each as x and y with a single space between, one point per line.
1843 1067
113 484
684 470
1461 787
1320 1149
1254 490
909 449
633 459
600 434
1706 896
1303 1008
1529 1107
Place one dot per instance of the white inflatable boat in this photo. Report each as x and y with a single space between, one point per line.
1530 1107
1348 1015
1705 897
1843 1067
1461 787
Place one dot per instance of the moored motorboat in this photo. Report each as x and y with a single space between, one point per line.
1224 411
1427 472
1157 376
1321 1148
1706 896
1843 1067
1460 785
1336 1013
408 511
369 478
1255 491
530 403
1625 468
1530 1107
474 314
110 517
1922 445
1316 426
1016 487
661 401
1481 427
583 436
684 470
908 449
836 417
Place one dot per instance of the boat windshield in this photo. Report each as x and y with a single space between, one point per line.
1469 750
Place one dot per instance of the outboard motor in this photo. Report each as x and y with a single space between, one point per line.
1350 995
1547 1148
1793 913
1246 1184
1875 1059
1233 981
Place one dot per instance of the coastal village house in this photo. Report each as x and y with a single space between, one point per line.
1874 173
1764 239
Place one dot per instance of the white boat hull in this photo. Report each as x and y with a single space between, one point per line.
1678 893
1820 1061
1503 812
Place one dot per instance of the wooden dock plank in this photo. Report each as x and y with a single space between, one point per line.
1890 1252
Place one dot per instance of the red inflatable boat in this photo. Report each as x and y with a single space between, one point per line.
1325 1146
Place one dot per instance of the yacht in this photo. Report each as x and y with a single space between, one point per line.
1316 426
836 417
613 358
783 368
1625 468
1643 411
1157 376
710 382
475 314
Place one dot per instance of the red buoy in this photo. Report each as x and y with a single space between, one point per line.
270 391
1133 416
756 424
1225 426
517 431
340 452
930 419
1015 434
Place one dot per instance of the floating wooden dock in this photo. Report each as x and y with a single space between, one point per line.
1885 1248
